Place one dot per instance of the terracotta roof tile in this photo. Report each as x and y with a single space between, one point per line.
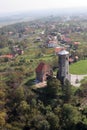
7 56
42 67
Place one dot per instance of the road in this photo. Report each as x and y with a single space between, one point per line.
74 77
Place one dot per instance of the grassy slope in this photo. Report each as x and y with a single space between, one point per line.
79 67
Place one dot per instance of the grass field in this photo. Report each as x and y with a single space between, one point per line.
79 67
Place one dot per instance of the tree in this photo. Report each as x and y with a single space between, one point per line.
53 87
2 106
2 109
40 123
70 116
53 121
43 125
67 92
14 96
23 111
18 94
2 119
83 87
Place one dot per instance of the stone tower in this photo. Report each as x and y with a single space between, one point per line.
63 71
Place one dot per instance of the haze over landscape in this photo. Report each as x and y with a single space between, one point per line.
13 6
12 11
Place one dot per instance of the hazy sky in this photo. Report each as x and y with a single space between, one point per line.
25 5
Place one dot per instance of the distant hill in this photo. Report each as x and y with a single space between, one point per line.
32 15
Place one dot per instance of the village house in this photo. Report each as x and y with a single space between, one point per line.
58 49
10 33
20 52
76 44
65 39
17 50
52 44
51 41
9 56
43 70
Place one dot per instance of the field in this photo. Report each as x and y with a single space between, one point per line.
79 67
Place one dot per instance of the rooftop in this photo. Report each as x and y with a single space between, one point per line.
63 52
42 67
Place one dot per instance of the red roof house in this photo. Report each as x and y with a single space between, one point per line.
42 71
76 43
9 56
58 49
52 44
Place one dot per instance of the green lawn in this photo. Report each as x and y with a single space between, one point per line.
79 67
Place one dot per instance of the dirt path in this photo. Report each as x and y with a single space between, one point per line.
74 77
41 84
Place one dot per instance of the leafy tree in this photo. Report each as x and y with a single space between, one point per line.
82 90
83 87
19 94
40 123
43 125
2 119
53 121
53 87
23 111
67 91
3 114
70 116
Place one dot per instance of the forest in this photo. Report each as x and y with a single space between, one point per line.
55 107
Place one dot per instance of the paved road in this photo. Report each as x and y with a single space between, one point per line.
74 77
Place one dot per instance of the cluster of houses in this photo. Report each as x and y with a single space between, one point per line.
66 40
15 51
52 41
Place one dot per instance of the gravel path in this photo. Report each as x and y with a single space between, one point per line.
74 77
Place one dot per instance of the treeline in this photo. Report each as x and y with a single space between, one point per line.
55 107
14 27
